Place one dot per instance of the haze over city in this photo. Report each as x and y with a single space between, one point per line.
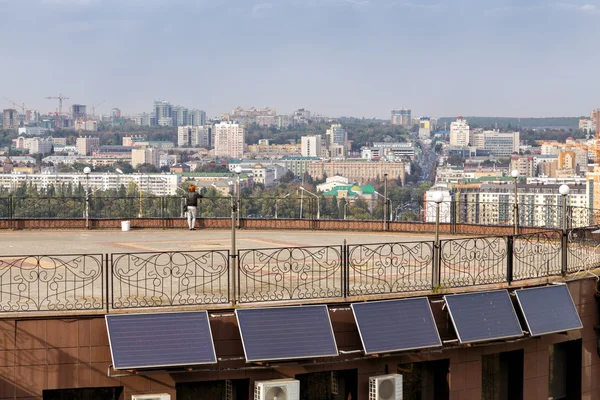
336 57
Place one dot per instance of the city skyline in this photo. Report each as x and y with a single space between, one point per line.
334 57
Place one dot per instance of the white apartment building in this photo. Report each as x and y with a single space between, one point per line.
85 145
145 155
264 175
33 131
41 146
389 150
337 135
459 133
229 140
156 184
311 146
193 136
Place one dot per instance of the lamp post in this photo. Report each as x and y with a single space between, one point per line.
515 175
316 197
238 171
277 201
87 171
385 201
233 255
438 197
564 194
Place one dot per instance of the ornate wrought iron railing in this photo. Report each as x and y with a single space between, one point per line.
52 283
97 283
389 268
169 279
290 273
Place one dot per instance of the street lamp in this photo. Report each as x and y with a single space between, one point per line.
238 171
564 193
318 202
278 200
438 197
87 171
385 202
515 174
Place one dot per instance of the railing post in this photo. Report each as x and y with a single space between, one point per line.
564 248
452 216
107 291
345 283
510 259
11 212
436 245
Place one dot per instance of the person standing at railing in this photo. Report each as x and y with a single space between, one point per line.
192 206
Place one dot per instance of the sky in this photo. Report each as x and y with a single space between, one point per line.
357 58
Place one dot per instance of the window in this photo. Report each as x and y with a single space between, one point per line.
502 376
427 380
564 375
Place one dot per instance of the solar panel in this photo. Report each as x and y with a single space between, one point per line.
396 325
284 333
548 309
482 316
160 340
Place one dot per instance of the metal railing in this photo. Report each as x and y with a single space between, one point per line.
96 283
455 212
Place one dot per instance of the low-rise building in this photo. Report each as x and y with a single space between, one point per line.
362 171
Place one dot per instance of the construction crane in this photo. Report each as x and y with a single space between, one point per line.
94 107
60 99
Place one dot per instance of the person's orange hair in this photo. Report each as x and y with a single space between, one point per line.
192 188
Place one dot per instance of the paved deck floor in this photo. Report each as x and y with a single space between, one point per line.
42 242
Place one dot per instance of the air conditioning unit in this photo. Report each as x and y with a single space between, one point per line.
277 389
151 397
385 387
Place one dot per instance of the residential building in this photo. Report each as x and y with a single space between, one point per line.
229 140
459 132
41 146
179 116
167 160
266 120
115 113
424 127
145 119
145 155
264 175
165 121
78 111
388 150
311 146
85 145
274 150
33 131
297 164
196 118
587 125
338 140
431 206
162 110
193 136
402 116
132 140
10 119
523 164
361 171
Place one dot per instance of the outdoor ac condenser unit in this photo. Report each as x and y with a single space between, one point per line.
151 397
277 389
385 387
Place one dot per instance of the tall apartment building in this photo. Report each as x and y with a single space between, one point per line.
523 164
424 127
229 139
78 111
162 109
10 119
115 113
311 146
402 116
145 155
145 119
196 118
459 132
193 136
86 145
179 115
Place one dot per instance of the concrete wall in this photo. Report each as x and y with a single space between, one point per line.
38 354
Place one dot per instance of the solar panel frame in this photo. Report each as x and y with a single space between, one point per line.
487 339
425 299
326 310
212 343
540 288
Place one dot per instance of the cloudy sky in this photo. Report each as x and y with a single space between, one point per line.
335 57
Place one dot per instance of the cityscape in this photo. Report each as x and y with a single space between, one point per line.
299 200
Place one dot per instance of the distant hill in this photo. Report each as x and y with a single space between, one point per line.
521 123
